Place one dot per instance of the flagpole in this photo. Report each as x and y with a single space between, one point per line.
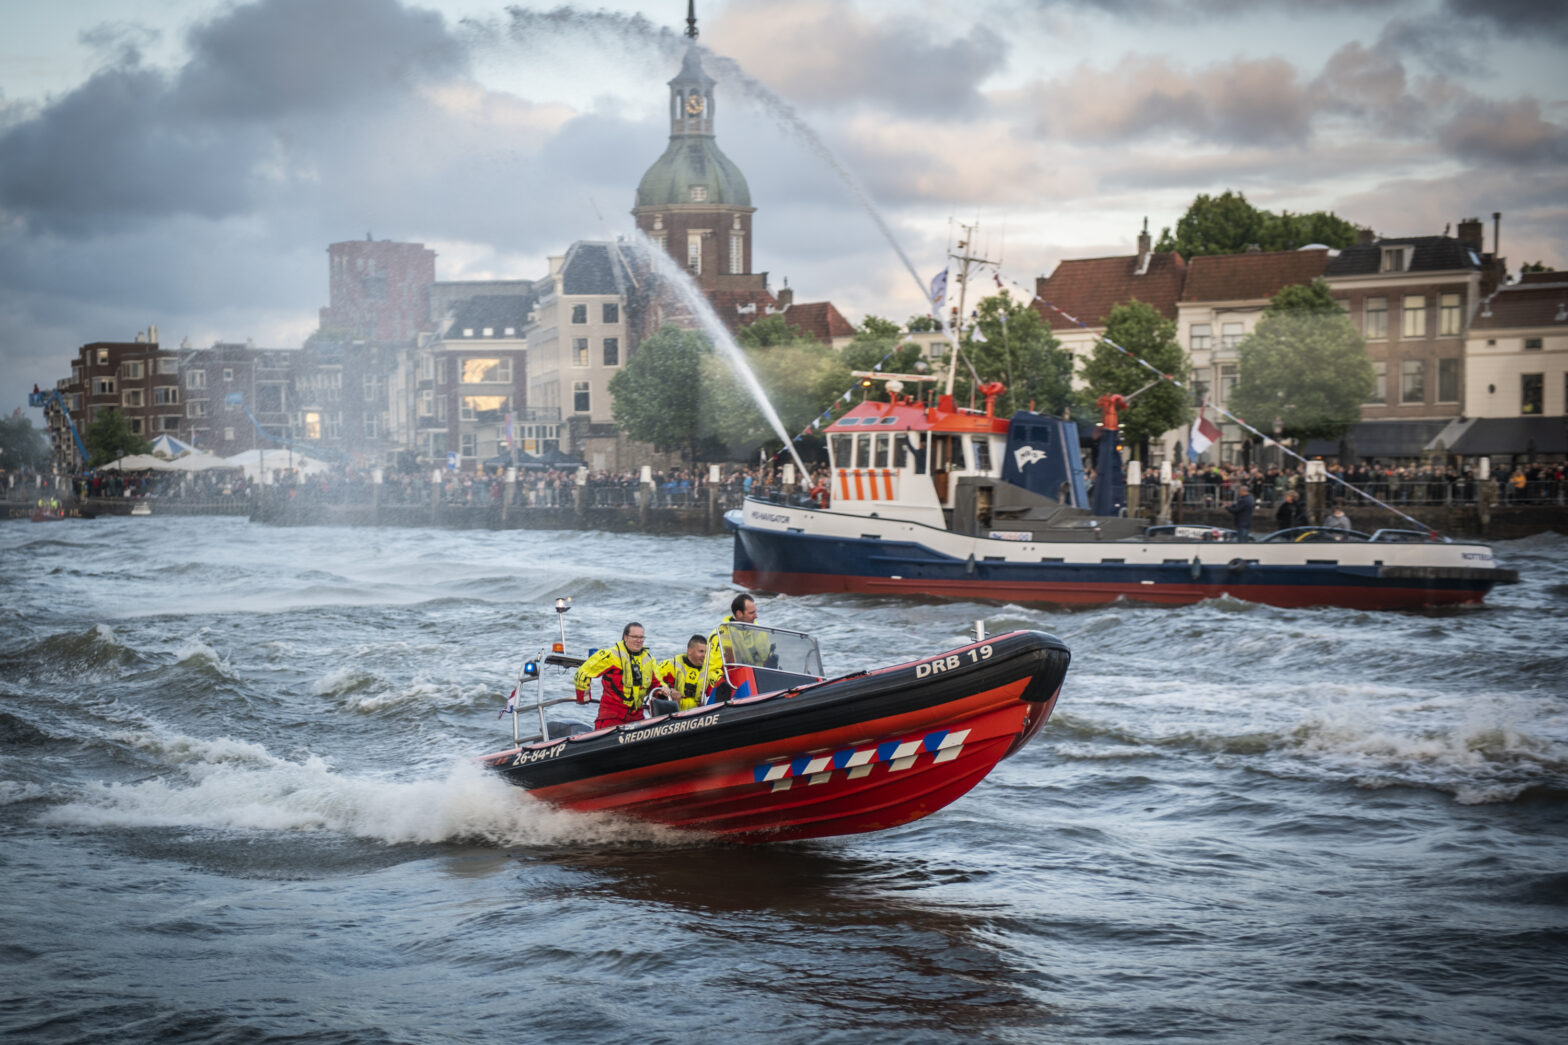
965 259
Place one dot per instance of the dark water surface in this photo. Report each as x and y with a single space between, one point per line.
237 805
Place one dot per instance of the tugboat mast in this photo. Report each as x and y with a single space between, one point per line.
966 261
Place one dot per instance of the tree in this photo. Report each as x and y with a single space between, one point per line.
1305 364
658 397
1535 266
880 341
22 445
109 438
1141 330
1228 224
1009 342
797 374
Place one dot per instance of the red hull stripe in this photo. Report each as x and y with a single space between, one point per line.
1069 594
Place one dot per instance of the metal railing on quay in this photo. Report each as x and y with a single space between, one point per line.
1419 492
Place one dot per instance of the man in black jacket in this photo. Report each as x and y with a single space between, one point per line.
1241 508
1289 513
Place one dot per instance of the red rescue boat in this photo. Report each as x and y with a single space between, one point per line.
790 754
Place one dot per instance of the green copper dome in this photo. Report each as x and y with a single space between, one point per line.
693 161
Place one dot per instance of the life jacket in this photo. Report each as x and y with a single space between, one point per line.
624 681
746 647
688 680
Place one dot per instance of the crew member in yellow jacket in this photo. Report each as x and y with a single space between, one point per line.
736 645
627 673
685 675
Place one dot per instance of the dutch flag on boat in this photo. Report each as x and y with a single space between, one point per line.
511 702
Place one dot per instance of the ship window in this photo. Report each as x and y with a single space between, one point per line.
982 453
839 445
849 420
888 421
900 452
863 451
880 458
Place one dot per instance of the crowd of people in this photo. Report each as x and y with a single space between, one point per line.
1212 486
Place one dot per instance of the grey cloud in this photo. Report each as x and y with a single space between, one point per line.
132 144
275 57
1510 132
1243 101
1523 18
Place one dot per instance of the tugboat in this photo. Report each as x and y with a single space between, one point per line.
928 498
792 754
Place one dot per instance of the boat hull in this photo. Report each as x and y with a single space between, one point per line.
861 753
1364 576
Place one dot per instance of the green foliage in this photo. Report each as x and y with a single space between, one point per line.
921 324
1306 364
800 378
1141 329
1228 224
1019 350
658 397
771 331
22 445
1536 266
109 438
874 340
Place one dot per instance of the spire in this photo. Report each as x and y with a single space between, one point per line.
691 18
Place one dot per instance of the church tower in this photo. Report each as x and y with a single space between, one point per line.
694 201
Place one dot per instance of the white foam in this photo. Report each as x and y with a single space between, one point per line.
236 785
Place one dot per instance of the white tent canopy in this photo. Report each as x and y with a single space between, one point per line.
198 462
257 462
168 446
137 463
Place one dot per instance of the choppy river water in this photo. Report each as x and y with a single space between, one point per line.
237 804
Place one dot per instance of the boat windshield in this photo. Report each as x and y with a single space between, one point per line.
756 646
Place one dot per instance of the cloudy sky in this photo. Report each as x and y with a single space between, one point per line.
185 163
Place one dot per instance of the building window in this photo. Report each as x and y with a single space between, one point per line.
478 370
1380 382
427 368
168 365
1375 318
1201 337
468 331
441 408
1228 380
228 435
1412 381
612 351
136 423
427 403
196 379
103 386
1230 335
699 194
612 312
579 313
131 397
660 242
228 373
1448 380
171 422
1532 344
694 252
466 443
166 395
370 426
737 254
103 357
131 371
465 408
503 370
196 408
511 331
581 399
489 331
579 351
369 393
1448 315
1413 314
1393 259
1532 389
